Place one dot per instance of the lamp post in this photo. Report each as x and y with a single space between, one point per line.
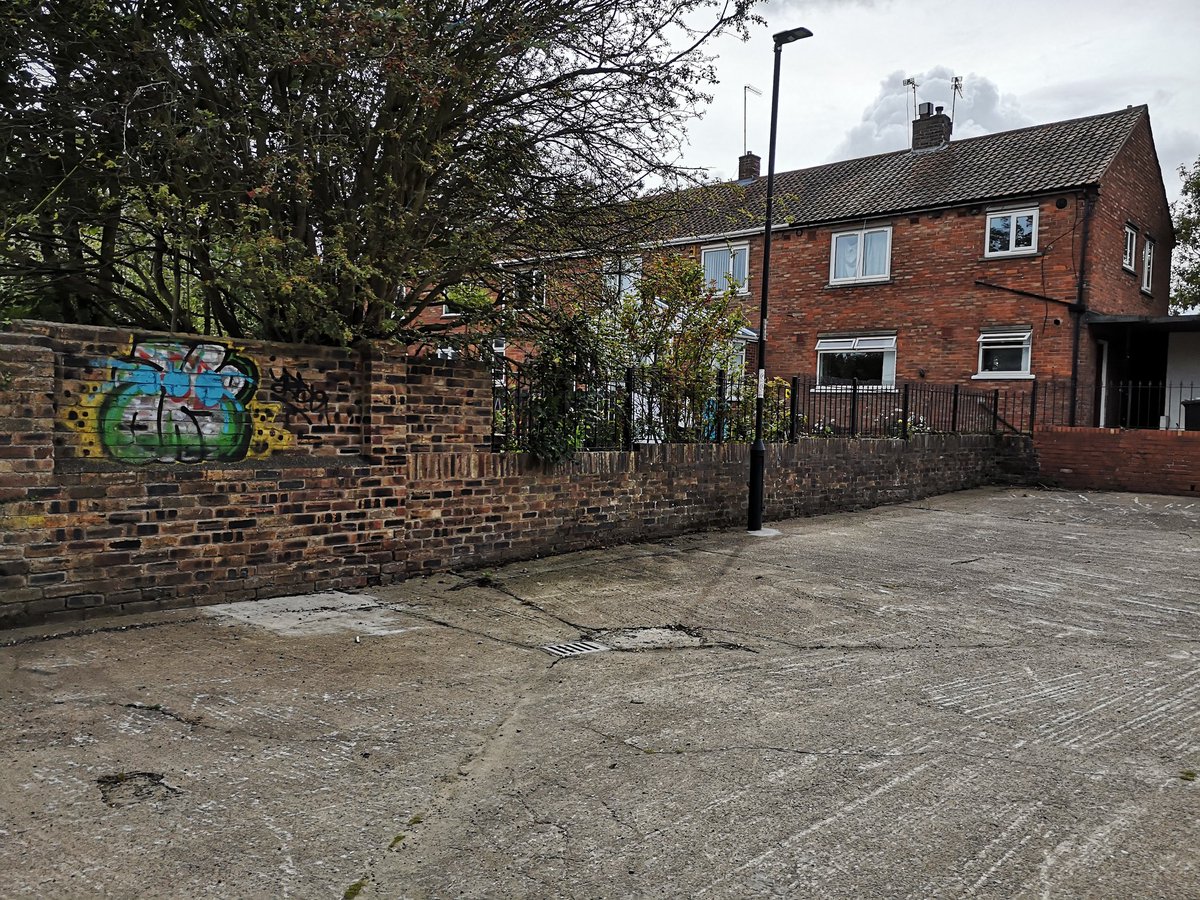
758 451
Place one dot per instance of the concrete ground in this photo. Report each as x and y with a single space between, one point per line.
991 694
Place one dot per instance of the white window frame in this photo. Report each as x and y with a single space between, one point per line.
1011 214
862 245
1005 337
537 278
499 346
1148 266
743 247
884 344
621 267
1129 259
446 353
448 312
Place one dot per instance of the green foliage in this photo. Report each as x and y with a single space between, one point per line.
777 410
1185 275
323 170
674 331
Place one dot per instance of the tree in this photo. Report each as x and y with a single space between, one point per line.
322 170
1185 274
668 328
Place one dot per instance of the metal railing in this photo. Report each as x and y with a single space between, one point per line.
621 409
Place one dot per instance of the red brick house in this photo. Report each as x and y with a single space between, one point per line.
989 262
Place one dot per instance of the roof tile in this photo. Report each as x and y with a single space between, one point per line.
1034 160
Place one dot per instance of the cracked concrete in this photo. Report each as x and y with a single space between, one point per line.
987 694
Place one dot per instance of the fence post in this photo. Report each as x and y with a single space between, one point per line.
794 412
954 410
1033 398
995 410
853 407
719 424
627 412
904 413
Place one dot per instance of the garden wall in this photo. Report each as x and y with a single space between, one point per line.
1112 459
145 471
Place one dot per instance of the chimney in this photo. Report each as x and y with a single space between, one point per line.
748 167
931 130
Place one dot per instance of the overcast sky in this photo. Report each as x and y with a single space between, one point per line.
1022 63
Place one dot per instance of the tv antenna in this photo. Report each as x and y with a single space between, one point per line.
747 90
911 82
956 91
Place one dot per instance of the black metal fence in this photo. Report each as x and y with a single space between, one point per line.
619 410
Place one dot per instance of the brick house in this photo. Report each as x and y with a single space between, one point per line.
989 262
1036 255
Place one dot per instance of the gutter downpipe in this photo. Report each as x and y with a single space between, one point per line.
1089 205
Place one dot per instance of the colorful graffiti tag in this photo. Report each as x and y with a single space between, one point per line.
177 401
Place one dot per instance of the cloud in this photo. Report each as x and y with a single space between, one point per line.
982 109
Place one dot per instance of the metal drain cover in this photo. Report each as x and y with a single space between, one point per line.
574 648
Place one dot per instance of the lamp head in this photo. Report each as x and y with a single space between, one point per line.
793 34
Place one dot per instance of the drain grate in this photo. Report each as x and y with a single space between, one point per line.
574 648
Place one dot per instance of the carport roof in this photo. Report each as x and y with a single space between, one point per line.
1148 323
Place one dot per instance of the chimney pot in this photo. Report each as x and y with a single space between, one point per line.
939 109
749 166
925 110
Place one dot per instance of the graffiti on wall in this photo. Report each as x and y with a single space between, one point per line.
186 401
300 399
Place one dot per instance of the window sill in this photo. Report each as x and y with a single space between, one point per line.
859 282
847 389
1015 254
1146 293
1128 269
1002 376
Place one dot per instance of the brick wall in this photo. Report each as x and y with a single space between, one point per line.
1131 194
487 508
1110 459
195 471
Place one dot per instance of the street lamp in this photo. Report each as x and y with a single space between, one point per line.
758 452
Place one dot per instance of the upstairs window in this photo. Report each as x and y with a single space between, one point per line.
621 276
863 255
464 299
1004 353
529 288
1128 260
1012 232
727 267
867 360
1148 266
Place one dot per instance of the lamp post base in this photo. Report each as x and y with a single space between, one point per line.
758 453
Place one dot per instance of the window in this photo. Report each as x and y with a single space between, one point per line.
621 276
1130 248
727 266
868 360
1004 354
1012 232
499 345
465 298
446 353
529 288
864 255
1148 265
